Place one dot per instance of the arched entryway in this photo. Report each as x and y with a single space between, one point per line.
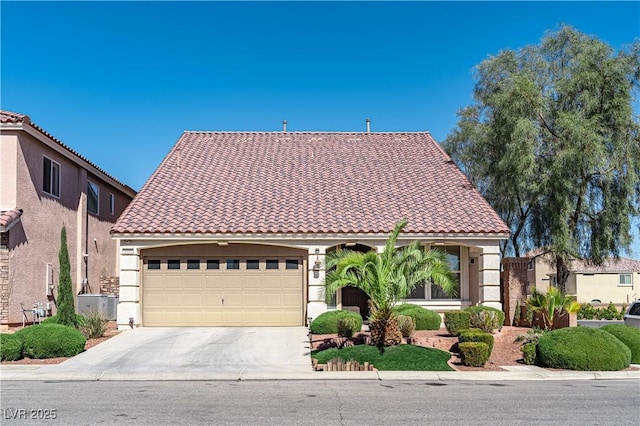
350 296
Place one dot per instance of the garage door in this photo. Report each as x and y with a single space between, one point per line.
238 291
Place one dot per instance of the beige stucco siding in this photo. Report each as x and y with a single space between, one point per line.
606 287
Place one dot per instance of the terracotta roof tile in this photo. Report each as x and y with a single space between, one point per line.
9 218
307 182
619 265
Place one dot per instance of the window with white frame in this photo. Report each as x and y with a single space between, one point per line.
51 177
624 280
112 204
93 198
434 292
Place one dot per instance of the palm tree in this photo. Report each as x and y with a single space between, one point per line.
551 303
387 278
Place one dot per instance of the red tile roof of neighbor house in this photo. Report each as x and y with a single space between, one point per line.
615 266
307 182
8 117
8 218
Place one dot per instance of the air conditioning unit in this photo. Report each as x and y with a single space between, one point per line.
105 304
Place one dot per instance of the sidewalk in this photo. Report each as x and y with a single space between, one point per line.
50 372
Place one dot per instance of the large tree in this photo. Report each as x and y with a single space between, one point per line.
552 142
387 278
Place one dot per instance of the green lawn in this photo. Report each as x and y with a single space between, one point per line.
401 357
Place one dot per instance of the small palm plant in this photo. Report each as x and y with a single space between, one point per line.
387 278
551 303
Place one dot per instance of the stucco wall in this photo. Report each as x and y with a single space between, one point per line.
606 288
35 241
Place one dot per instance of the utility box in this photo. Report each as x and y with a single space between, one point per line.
105 304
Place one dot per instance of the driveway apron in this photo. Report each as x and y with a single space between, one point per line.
233 350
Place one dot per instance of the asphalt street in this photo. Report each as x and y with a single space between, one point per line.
334 402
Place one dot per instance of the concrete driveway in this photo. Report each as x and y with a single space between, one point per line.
191 351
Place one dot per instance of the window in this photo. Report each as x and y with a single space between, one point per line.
112 204
253 264
51 177
273 264
193 264
233 264
624 280
213 264
291 264
153 264
93 198
434 292
173 264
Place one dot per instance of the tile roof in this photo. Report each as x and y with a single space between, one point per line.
8 218
13 117
621 264
8 117
307 182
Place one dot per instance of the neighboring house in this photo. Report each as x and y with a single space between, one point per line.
44 185
233 227
616 280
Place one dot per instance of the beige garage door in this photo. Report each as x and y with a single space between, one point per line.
238 291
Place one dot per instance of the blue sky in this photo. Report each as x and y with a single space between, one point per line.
120 81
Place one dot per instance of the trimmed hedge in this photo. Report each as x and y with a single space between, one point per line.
50 341
582 348
529 353
327 323
477 336
486 318
629 336
457 321
10 347
425 319
474 354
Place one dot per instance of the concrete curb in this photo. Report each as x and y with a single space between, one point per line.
49 373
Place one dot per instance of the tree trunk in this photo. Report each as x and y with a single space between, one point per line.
385 332
562 274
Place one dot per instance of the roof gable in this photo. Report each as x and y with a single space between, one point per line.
307 182
12 119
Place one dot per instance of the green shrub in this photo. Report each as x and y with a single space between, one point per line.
10 347
406 324
457 321
425 319
51 341
582 348
486 318
587 311
629 336
474 354
348 326
529 351
477 336
327 323
94 324
610 312
54 320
